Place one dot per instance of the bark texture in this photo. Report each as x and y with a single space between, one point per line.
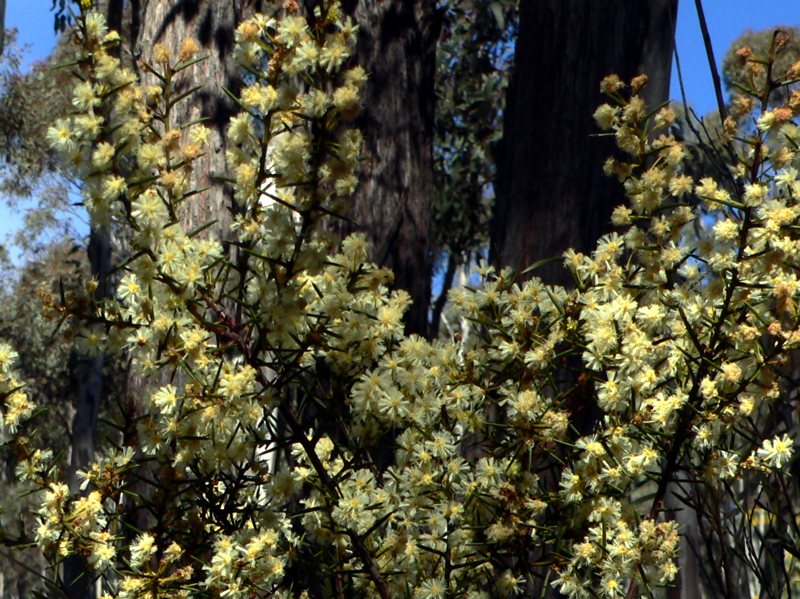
211 23
551 191
397 48
397 45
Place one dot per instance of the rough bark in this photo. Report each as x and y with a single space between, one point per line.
397 47
211 23
397 44
551 191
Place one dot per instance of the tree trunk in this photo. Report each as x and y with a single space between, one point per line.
397 48
551 191
87 374
397 45
211 23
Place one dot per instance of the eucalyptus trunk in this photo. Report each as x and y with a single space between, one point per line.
552 193
212 24
392 206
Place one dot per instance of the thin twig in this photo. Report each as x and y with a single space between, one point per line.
441 300
712 63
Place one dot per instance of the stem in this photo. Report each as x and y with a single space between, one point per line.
441 300
712 63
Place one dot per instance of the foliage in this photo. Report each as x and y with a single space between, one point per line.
473 66
27 318
760 72
62 15
294 428
45 336
29 102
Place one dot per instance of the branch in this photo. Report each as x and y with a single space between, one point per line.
712 63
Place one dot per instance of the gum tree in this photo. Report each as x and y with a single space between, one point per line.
544 204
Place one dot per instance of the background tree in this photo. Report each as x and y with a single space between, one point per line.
47 339
397 44
544 203
2 25
211 24
759 555
31 178
474 57
551 191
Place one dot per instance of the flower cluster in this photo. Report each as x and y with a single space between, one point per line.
15 407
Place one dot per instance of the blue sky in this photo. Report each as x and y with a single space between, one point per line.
727 19
34 22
